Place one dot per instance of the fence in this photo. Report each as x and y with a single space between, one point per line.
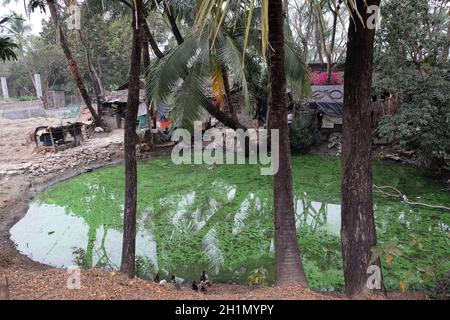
35 109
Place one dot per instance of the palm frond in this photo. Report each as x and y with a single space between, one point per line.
164 75
7 48
231 55
190 98
296 69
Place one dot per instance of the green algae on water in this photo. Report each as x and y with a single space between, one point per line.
219 218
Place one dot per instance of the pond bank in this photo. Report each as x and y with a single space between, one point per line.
24 175
99 284
16 194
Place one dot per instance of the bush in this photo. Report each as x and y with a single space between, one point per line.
258 277
415 68
423 123
304 132
27 98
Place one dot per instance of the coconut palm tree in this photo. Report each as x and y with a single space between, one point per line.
7 45
198 66
18 30
226 39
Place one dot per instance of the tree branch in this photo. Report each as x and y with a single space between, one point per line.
402 196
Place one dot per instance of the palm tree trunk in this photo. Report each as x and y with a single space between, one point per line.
358 232
173 24
231 106
152 42
224 118
288 266
129 220
73 66
146 65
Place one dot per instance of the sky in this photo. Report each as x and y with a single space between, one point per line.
35 17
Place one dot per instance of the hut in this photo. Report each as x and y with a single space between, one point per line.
115 103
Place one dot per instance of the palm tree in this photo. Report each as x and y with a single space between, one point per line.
358 232
288 265
187 70
200 65
19 29
185 73
129 220
7 45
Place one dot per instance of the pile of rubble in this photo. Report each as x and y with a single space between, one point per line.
45 163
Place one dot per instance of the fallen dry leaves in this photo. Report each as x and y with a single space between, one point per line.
99 284
105 285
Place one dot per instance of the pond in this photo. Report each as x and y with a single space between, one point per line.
219 218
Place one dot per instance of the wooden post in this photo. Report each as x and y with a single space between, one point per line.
4 289
51 138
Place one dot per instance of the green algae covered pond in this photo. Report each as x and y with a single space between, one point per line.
219 218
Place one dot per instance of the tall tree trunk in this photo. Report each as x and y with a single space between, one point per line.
317 37
73 66
96 82
288 266
129 220
357 221
332 43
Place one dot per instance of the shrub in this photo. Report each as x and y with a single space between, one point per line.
258 277
304 132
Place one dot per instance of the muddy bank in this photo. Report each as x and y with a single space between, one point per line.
25 174
20 183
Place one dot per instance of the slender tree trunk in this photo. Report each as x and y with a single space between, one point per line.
146 65
317 37
173 24
129 221
73 66
224 118
447 47
357 225
332 44
152 42
288 266
96 83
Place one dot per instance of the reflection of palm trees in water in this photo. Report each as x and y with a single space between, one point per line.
100 209
103 259
304 209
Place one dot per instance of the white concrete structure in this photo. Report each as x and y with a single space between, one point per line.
4 88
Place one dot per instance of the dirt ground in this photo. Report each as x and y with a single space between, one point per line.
31 280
